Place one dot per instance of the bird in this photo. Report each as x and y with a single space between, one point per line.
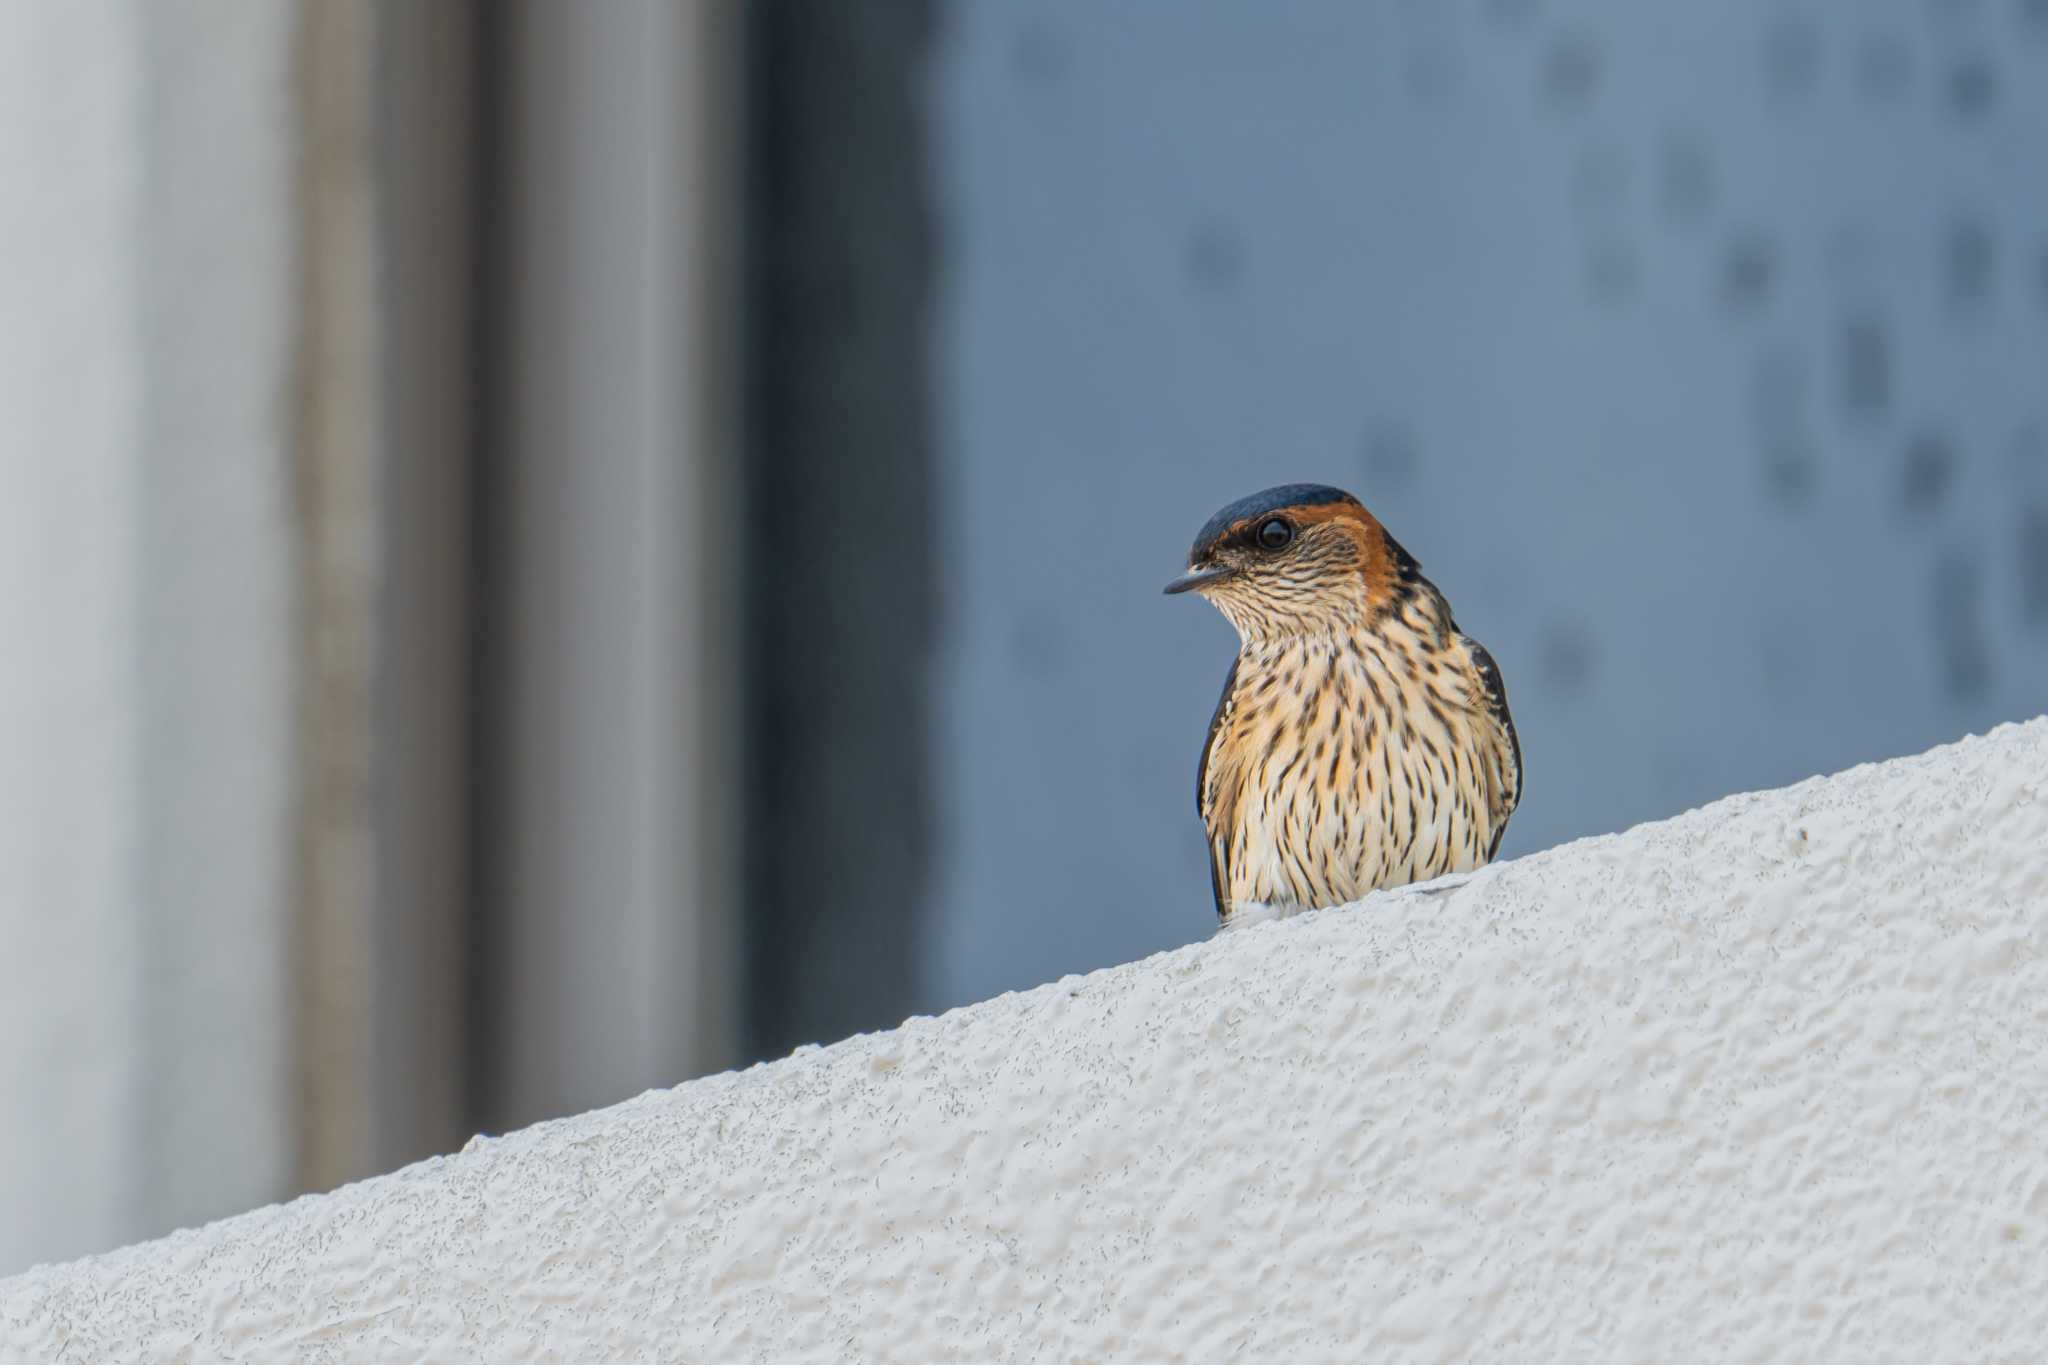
1362 741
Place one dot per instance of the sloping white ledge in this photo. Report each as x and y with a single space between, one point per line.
1769 1080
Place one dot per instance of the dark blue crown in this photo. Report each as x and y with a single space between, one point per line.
1258 504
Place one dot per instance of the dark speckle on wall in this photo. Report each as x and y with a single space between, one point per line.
1962 645
1785 649
1036 644
1865 366
1511 13
1884 66
1849 255
1686 183
1778 395
2030 456
1600 176
1040 53
1791 469
1969 262
1970 86
1613 270
1431 71
1571 70
2033 562
1389 457
2030 478
1568 657
1749 271
1788 458
1676 773
1151 766
1214 256
1791 58
1928 473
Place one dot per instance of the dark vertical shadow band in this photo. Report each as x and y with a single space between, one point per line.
841 564
484 776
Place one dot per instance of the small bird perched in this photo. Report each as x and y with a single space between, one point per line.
1361 740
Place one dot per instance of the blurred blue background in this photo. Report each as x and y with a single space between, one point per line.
549 549
1696 350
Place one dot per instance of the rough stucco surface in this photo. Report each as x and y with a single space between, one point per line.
1766 1081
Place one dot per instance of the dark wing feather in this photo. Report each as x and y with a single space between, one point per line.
1497 705
1219 876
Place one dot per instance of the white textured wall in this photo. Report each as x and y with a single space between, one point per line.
145 593
1766 1081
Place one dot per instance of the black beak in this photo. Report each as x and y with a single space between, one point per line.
1195 578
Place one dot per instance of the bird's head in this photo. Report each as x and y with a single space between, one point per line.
1299 559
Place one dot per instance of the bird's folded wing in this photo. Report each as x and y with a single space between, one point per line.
1219 724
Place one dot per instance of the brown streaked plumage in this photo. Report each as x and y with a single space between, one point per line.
1361 741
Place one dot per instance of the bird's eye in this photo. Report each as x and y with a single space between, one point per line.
1276 534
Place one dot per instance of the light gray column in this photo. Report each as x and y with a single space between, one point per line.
425 142
611 903
145 608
